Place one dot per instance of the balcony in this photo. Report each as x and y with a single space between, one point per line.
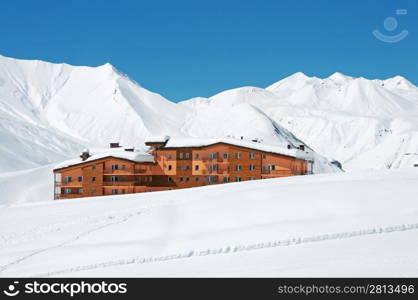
128 171
121 183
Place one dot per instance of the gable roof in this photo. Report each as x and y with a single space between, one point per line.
135 156
198 143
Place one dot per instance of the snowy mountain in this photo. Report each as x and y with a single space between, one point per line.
365 124
51 111
297 226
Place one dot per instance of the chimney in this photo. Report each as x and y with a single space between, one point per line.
130 149
114 145
242 137
302 147
84 155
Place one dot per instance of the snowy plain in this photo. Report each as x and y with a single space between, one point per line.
346 224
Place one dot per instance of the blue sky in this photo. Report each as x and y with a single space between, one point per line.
182 49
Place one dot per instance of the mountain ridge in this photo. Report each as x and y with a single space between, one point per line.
51 111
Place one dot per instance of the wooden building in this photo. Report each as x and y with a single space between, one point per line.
175 163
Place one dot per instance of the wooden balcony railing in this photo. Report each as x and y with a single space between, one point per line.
121 183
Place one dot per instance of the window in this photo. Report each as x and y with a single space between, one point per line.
187 167
238 167
169 167
114 167
80 178
251 167
114 191
272 167
57 177
67 191
196 156
180 167
196 167
180 155
80 191
251 178
123 167
226 179
196 179
57 190
181 179
123 178
123 191
187 155
150 179
213 155
212 178
68 179
251 155
114 178
169 156
213 167
237 179
226 155
264 156
237 155
93 179
170 179
187 179
93 167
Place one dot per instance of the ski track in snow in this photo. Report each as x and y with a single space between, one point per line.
114 221
229 249
36 232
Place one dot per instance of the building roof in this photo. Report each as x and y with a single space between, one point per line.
198 142
158 139
135 156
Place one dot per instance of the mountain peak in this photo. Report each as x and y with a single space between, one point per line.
299 75
399 82
340 77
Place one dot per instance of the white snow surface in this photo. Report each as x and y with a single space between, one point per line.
345 224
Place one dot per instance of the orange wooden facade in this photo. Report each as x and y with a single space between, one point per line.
173 168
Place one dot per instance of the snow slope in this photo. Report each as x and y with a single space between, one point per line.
27 186
49 112
52 111
365 124
346 224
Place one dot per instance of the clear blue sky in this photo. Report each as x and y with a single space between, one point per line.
182 49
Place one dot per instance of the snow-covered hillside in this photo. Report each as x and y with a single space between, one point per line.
346 224
365 124
52 111
49 112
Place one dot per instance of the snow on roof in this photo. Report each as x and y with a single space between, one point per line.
135 156
197 142
158 139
